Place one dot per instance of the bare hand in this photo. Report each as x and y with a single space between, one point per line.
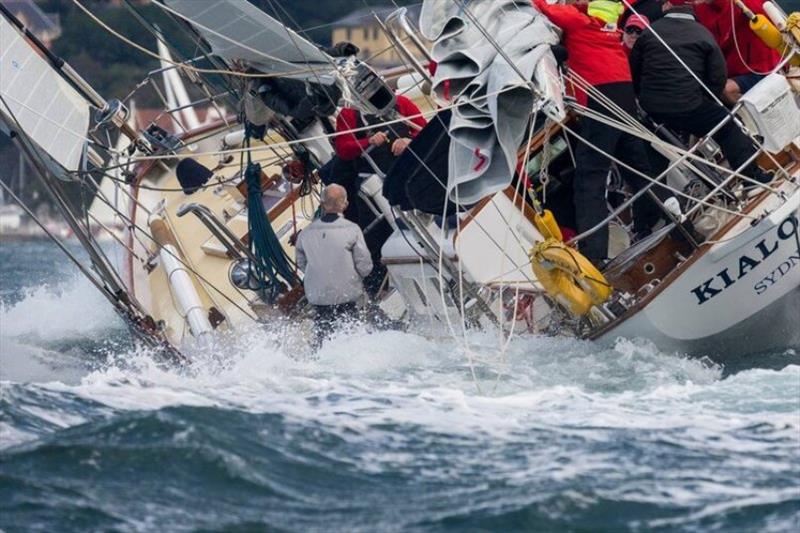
378 139
399 145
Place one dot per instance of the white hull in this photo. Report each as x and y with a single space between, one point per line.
741 296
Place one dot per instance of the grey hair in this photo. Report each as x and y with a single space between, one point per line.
333 198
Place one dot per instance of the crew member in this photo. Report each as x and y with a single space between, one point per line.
647 8
747 58
592 41
383 142
334 258
633 28
673 96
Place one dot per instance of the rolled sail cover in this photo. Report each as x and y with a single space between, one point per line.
492 97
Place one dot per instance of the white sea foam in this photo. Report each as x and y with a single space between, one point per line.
55 312
373 387
47 315
549 409
368 379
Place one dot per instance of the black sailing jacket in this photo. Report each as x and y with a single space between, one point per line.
662 84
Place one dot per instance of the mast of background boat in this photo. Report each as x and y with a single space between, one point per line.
202 82
110 200
203 47
176 90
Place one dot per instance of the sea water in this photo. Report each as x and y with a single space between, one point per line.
379 432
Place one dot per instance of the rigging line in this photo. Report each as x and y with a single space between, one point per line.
685 154
166 111
91 276
706 88
520 183
134 226
328 135
505 343
655 180
787 50
597 95
175 63
114 236
463 308
270 162
653 140
647 135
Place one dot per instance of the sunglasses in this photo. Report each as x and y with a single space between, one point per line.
630 30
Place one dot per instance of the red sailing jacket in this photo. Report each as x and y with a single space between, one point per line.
349 146
595 49
752 52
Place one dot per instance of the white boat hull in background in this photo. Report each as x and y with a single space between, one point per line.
740 297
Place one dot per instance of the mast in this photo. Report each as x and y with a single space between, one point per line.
31 74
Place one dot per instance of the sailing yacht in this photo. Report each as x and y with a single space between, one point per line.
210 212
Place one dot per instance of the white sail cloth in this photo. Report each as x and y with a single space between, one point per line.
494 99
239 31
48 109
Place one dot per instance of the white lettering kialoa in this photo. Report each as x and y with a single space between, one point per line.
748 262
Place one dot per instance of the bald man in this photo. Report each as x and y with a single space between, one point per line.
332 254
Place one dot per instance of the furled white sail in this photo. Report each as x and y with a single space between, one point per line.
49 110
237 30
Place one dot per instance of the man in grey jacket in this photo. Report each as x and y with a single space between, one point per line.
334 258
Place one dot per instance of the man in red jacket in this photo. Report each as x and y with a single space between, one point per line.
383 142
747 58
592 40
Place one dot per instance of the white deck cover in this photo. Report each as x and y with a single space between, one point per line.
49 109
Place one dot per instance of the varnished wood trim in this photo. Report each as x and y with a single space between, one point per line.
672 276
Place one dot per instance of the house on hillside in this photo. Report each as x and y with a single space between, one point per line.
361 29
45 26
